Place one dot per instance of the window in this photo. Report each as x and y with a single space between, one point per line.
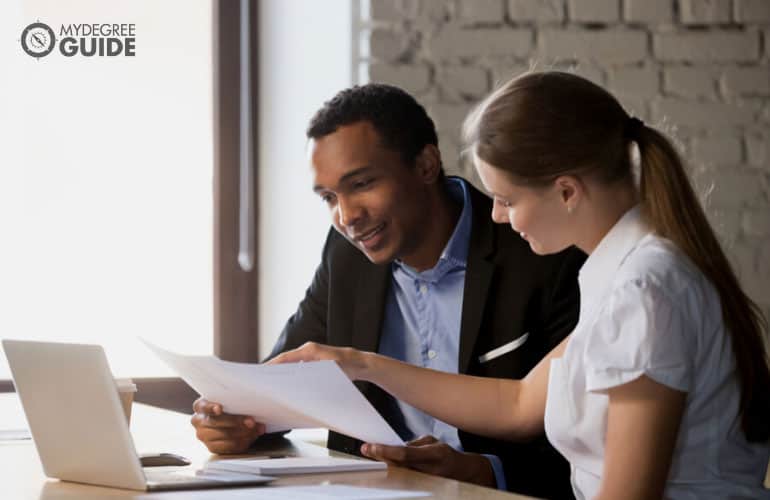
106 172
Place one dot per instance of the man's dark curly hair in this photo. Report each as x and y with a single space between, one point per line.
401 122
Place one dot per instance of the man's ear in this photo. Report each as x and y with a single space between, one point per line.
428 164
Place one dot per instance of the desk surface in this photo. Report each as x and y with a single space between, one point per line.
157 430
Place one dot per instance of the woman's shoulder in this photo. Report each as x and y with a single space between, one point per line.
658 313
656 262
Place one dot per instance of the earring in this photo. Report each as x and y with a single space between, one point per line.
569 209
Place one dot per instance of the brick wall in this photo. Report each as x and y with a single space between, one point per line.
699 68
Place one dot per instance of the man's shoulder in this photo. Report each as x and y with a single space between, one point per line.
488 233
477 196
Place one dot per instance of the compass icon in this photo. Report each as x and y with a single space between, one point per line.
38 39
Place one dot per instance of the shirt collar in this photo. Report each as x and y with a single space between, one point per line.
604 261
456 249
455 253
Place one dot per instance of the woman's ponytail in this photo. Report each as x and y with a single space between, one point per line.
670 204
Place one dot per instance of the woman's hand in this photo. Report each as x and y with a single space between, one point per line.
352 361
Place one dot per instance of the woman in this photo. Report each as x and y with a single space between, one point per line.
663 387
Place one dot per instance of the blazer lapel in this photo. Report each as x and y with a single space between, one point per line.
478 276
371 293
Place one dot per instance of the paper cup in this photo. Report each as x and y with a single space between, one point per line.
126 390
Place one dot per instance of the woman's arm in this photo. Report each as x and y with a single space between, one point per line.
499 408
642 428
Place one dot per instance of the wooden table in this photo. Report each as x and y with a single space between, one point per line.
155 430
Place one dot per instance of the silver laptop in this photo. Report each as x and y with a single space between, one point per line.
77 422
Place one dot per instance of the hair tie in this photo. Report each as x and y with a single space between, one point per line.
632 127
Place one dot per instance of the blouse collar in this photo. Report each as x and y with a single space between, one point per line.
600 267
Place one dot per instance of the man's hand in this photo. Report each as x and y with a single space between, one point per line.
429 455
223 433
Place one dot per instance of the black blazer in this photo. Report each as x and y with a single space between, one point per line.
509 291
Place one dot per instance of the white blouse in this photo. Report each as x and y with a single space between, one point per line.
645 309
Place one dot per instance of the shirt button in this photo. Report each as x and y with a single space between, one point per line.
432 354
423 289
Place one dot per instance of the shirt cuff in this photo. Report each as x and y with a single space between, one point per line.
497 468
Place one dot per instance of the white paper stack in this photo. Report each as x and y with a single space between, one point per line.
298 465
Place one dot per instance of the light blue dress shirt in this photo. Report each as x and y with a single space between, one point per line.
422 322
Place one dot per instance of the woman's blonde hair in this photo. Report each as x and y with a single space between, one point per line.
543 125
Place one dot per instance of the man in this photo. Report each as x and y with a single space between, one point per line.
414 268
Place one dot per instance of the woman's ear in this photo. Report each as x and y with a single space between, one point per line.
571 191
428 164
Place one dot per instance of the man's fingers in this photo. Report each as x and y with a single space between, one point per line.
397 455
425 457
220 447
224 421
208 435
214 435
227 441
228 446
208 407
241 438
422 441
257 429
426 454
199 404
211 408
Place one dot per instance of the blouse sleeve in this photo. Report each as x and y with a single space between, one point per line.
641 331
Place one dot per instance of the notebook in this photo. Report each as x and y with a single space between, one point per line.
294 465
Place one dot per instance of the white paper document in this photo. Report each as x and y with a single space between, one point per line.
286 396
294 465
